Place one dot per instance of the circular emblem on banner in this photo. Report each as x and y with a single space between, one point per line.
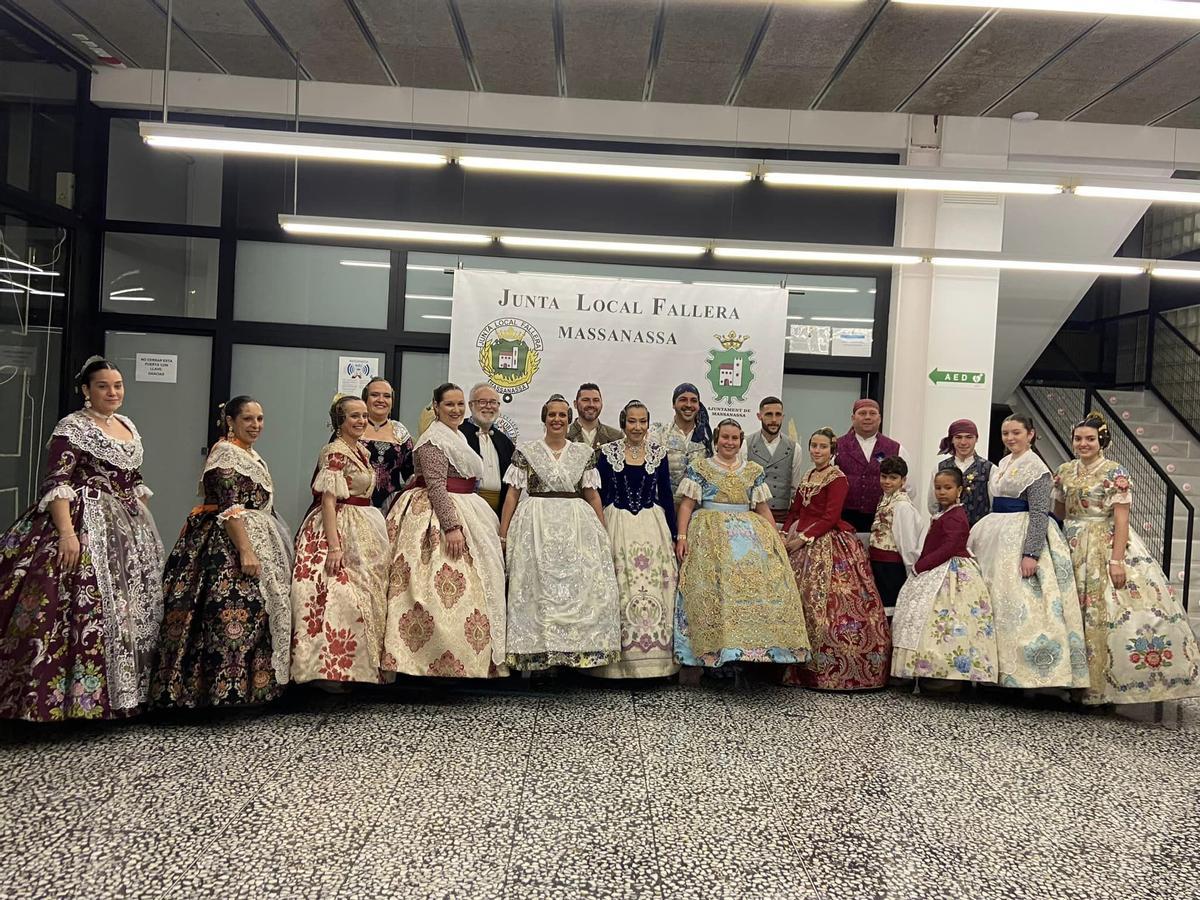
731 369
510 353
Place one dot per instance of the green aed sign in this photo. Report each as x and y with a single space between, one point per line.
941 376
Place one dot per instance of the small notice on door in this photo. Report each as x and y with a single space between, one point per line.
354 372
163 367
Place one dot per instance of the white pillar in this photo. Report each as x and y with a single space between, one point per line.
943 320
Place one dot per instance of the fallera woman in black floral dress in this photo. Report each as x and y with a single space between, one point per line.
226 633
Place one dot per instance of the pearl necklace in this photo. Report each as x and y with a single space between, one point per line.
100 417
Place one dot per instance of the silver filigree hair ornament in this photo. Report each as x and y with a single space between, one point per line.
87 362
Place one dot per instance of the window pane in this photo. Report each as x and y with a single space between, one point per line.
172 417
151 274
830 315
814 401
420 373
312 285
148 185
30 357
37 124
295 386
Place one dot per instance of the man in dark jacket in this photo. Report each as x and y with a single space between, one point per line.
492 445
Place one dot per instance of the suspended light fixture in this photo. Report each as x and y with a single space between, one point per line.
814 253
1149 9
1040 265
317 226
590 166
603 245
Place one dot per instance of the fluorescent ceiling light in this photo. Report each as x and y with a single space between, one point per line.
817 289
796 318
383 231
897 183
1150 9
29 290
1171 272
365 264
219 139
432 316
28 272
1134 193
11 291
444 270
603 246
737 284
135 290
839 319
840 256
1031 265
543 166
428 297
128 299
25 266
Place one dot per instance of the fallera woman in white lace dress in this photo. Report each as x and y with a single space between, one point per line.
562 590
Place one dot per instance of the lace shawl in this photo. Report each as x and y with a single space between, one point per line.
614 452
454 444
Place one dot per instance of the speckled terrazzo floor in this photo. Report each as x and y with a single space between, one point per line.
590 791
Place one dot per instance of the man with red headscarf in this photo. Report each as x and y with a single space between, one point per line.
960 442
859 452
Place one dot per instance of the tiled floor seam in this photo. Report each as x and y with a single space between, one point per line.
512 841
378 820
170 892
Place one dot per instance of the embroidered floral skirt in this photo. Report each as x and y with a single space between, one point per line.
562 591
644 559
445 617
1039 629
943 625
79 645
337 622
851 641
1140 647
221 642
737 597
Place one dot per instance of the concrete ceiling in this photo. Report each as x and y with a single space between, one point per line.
869 55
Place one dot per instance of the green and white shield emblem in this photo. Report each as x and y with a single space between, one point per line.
509 356
731 369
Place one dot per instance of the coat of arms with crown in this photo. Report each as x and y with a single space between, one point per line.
731 369
510 353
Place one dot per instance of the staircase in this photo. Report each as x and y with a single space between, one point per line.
1178 452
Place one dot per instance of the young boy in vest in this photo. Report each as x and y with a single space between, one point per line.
895 532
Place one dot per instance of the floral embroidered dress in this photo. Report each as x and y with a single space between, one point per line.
639 514
737 599
393 465
337 621
226 636
851 642
1039 628
943 624
80 644
1140 647
445 616
563 605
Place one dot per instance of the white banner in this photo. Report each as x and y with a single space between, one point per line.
531 336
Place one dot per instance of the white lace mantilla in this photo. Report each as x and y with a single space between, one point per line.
1015 474
82 431
561 474
615 454
227 455
454 444
269 540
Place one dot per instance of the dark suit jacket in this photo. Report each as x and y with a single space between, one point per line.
504 450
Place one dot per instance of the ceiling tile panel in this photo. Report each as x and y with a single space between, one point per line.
1114 50
513 45
63 25
417 39
692 82
801 48
235 38
905 45
1187 117
139 28
607 47
1157 91
1009 49
327 39
704 41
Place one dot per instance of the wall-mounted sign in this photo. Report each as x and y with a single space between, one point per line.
354 372
161 367
971 379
